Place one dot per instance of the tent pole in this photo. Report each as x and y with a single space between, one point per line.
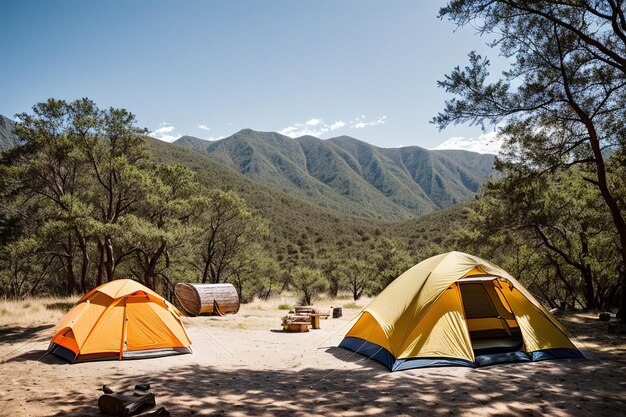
123 329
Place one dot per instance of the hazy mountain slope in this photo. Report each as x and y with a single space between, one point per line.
351 176
8 138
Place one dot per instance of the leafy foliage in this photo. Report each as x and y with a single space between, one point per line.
83 203
562 103
86 197
309 282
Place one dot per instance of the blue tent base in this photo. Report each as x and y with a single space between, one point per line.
382 355
65 353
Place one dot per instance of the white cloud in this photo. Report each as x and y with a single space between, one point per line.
203 127
317 127
212 138
360 123
302 129
313 127
166 132
485 143
337 125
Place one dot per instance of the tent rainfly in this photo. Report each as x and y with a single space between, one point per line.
121 319
456 309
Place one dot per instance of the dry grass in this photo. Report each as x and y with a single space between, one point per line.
266 314
257 314
34 311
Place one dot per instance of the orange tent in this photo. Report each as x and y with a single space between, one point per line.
121 319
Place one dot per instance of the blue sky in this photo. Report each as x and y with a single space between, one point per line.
362 68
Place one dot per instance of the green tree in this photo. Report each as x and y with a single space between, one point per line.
564 99
117 157
42 182
359 276
389 261
228 228
331 268
309 282
559 224
22 268
166 222
253 273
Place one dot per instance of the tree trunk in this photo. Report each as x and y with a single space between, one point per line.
100 263
205 272
603 186
333 288
84 269
110 258
150 267
70 278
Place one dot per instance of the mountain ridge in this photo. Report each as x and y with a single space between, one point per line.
352 176
342 174
8 138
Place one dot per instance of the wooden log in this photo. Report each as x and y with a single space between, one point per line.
197 299
304 309
124 405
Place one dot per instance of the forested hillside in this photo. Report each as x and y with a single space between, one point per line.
289 216
351 176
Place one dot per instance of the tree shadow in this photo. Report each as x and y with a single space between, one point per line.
563 388
17 334
590 334
39 355
352 385
346 355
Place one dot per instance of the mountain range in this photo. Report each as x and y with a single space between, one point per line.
351 176
340 175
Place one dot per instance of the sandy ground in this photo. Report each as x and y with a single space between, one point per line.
261 371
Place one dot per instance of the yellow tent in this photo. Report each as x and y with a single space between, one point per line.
121 319
457 309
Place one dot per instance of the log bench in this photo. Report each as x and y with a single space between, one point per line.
305 316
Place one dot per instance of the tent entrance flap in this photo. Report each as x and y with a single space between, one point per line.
492 327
